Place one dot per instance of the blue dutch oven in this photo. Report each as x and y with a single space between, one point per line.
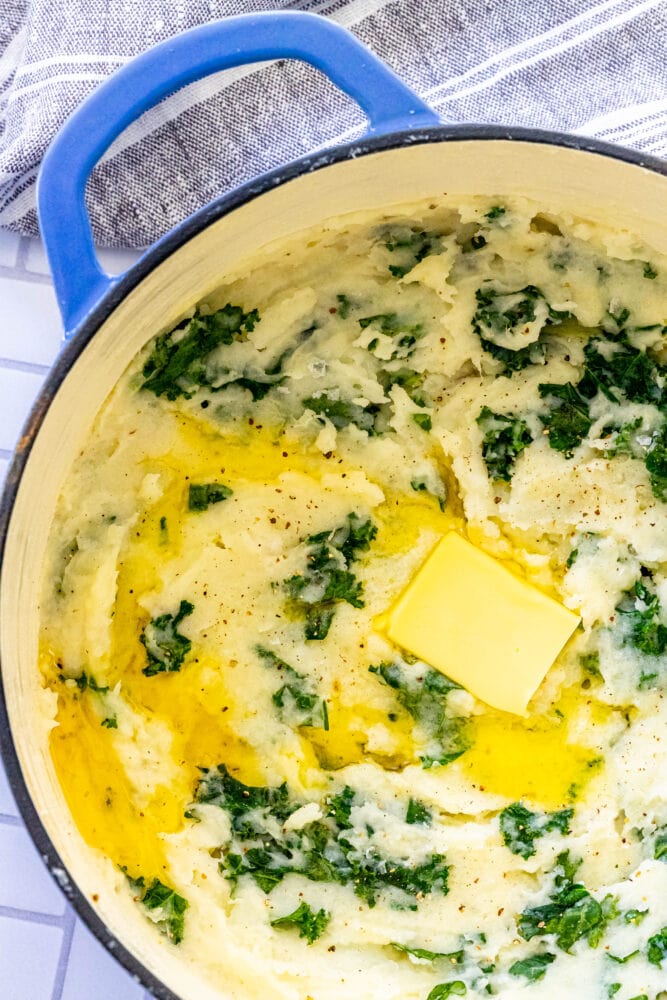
406 155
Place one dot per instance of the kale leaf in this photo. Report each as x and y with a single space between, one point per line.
342 413
166 648
202 495
568 420
571 914
424 697
177 364
404 335
263 847
327 579
455 988
660 845
309 924
500 313
534 967
656 463
166 908
521 828
505 437
417 813
657 948
641 611
423 954
612 364
409 245
297 703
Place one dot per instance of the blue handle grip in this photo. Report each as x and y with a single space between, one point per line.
80 282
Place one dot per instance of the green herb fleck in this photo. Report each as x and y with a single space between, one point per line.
202 495
649 271
164 905
417 813
310 925
505 437
328 579
166 648
657 948
111 722
568 420
423 420
424 696
424 955
495 213
344 306
641 611
177 364
456 988
521 828
297 703
409 245
534 967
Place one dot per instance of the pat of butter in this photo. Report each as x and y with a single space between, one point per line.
470 618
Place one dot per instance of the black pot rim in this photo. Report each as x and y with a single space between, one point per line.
180 235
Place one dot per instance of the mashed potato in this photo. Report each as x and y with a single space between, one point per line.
301 808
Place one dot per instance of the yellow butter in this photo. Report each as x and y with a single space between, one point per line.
469 617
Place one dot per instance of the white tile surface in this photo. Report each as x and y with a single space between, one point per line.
92 972
29 960
25 884
31 329
45 953
9 248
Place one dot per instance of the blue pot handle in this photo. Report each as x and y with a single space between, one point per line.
79 280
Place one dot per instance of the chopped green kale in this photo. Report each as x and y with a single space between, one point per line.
86 682
327 579
344 306
424 955
455 988
635 917
424 697
111 722
310 925
202 495
177 364
534 967
417 813
641 612
409 245
341 413
495 213
297 703
613 365
164 905
649 271
505 437
322 851
423 420
521 828
660 845
656 463
166 648
501 313
404 335
657 948
568 420
571 914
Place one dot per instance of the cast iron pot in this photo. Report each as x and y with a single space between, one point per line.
406 155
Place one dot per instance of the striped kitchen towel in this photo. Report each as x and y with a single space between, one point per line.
590 66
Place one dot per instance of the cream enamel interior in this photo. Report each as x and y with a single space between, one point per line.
563 180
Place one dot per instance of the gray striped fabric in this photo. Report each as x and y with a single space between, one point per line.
596 67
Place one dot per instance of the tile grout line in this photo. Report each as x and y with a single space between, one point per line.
34 916
30 276
6 819
63 958
22 254
32 367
